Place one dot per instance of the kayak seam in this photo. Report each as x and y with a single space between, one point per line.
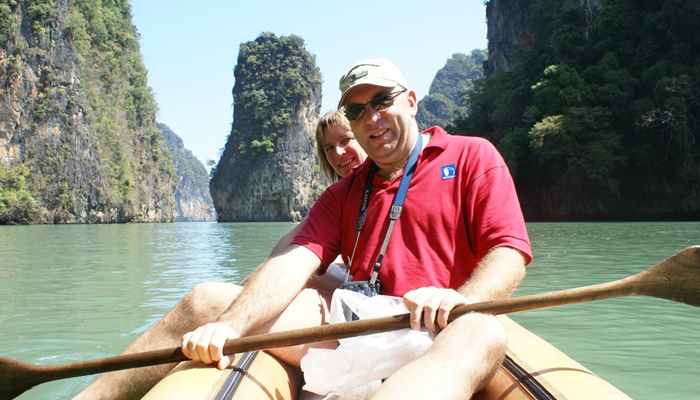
234 379
548 370
527 380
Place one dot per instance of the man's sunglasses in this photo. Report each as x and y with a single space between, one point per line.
380 102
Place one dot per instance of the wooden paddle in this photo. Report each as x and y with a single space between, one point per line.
676 278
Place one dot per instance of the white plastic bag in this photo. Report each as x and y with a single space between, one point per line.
354 370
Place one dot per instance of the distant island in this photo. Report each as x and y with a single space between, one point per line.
446 101
269 170
192 198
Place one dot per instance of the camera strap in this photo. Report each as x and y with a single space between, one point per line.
394 213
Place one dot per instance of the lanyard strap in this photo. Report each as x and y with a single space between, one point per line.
363 212
396 206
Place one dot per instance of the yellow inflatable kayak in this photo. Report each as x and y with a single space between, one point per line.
532 370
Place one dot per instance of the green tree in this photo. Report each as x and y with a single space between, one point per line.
17 205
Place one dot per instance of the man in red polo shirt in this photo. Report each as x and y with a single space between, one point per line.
461 212
458 238
459 206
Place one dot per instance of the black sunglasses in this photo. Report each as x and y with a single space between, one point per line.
378 103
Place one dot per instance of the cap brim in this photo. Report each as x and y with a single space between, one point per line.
381 82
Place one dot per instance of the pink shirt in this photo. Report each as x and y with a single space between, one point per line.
461 203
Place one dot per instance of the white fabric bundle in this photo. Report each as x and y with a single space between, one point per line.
354 370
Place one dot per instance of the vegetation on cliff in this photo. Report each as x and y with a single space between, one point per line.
444 101
274 75
17 205
82 114
599 112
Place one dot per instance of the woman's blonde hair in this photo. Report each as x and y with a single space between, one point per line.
328 120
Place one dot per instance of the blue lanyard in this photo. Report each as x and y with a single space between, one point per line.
396 207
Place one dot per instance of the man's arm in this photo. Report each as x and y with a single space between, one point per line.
496 277
266 294
286 240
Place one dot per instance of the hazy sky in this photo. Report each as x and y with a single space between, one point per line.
190 49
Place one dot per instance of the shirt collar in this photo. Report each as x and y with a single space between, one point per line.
438 137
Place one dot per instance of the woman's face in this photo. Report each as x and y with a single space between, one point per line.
342 150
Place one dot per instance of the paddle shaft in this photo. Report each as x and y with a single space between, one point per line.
676 278
340 330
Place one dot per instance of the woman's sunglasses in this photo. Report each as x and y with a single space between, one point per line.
378 103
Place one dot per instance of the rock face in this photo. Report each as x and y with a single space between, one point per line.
76 114
269 170
445 101
509 29
192 199
594 106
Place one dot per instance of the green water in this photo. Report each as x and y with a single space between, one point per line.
71 293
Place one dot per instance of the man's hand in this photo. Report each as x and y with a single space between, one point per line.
206 343
432 306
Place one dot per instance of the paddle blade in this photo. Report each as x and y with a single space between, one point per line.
677 278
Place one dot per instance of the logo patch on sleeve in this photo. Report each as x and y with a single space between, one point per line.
448 171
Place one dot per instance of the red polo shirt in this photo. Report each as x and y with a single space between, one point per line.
460 204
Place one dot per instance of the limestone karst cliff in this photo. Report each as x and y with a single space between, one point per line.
268 170
594 105
445 100
511 26
78 140
192 199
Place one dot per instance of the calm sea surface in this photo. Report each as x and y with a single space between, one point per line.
70 293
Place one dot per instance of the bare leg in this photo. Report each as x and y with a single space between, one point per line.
203 304
462 358
309 308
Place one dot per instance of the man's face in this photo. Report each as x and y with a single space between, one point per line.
386 135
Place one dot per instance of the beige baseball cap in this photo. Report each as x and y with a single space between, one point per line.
375 71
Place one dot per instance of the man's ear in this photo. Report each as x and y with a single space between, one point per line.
412 102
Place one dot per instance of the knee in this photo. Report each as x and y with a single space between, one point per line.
487 329
477 331
206 301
